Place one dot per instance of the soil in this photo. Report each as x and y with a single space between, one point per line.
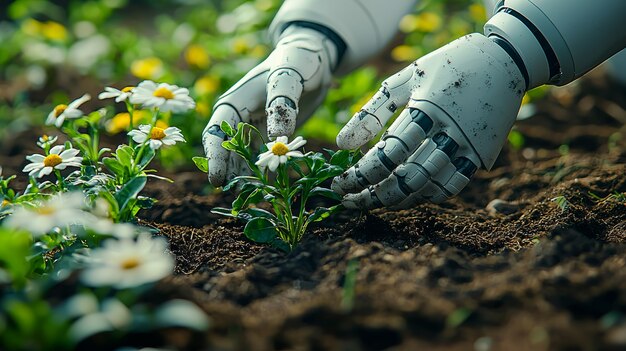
503 266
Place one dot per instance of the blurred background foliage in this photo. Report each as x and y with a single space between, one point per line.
53 51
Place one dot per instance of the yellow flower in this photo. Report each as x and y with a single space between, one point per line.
5 203
428 22
121 121
31 27
478 13
424 22
197 56
206 85
148 68
240 46
203 108
408 23
405 53
54 31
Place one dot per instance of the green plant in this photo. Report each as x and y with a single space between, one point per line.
70 222
562 202
285 224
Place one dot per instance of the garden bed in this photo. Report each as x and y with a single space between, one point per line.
540 268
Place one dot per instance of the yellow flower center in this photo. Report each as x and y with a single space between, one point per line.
279 149
164 92
59 109
130 263
45 138
5 203
52 160
157 133
127 89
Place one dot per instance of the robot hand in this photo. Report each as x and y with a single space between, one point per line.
300 65
461 102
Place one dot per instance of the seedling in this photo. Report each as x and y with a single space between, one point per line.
283 180
562 202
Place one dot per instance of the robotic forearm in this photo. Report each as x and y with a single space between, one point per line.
462 99
364 26
557 41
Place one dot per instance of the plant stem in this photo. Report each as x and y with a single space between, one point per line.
60 179
95 141
131 113
140 154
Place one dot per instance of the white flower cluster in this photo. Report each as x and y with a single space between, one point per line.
65 210
148 94
131 258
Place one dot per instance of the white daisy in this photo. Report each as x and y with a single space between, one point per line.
71 111
119 95
279 151
164 96
127 263
157 136
58 158
45 141
58 212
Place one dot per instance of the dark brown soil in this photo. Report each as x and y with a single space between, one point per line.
501 267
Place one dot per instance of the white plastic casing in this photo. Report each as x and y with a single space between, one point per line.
581 33
366 26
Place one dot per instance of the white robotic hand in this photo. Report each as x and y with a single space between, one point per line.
300 66
461 101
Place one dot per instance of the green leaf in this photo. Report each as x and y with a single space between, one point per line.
161 178
261 230
114 207
279 244
114 166
130 191
458 317
229 145
248 179
15 246
227 128
340 158
319 191
202 163
328 172
322 213
246 198
146 158
293 192
223 212
145 202
103 151
516 139
255 213
124 155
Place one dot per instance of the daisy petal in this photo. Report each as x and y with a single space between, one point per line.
273 164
